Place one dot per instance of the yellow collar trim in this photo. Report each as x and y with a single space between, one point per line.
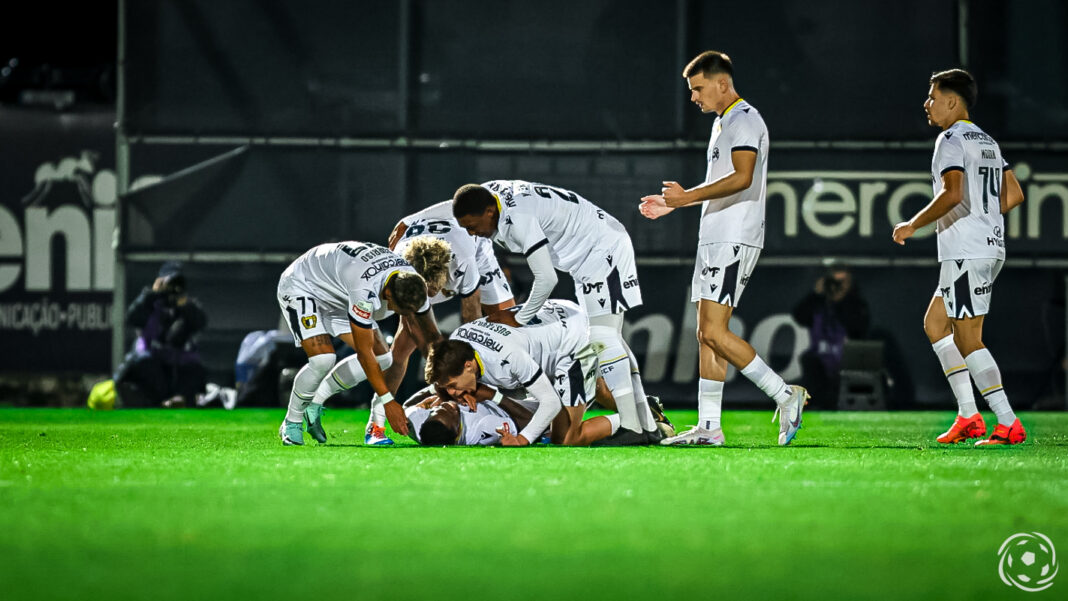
481 367
963 121
498 199
733 104
388 278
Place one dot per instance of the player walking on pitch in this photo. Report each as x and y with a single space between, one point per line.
731 236
973 186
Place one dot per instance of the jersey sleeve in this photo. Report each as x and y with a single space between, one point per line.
362 307
949 154
744 134
526 235
523 370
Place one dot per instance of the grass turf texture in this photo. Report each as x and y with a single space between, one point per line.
207 504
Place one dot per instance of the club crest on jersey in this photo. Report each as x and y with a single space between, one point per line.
309 322
715 154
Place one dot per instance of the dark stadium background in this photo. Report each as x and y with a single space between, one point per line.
256 129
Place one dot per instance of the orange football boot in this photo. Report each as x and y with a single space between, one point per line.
1013 434
964 428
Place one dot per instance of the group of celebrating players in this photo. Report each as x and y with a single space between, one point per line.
517 375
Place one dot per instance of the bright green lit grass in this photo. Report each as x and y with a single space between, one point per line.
208 505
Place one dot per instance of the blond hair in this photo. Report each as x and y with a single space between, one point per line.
430 257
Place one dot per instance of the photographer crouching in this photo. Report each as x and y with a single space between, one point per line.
832 312
164 367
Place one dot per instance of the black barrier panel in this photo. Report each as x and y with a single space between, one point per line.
316 67
831 70
268 199
820 202
546 69
1018 52
57 217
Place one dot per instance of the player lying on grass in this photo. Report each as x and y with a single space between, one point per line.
559 229
549 361
342 290
483 417
427 239
973 186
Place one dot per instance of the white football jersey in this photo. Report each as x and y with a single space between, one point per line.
534 215
348 277
478 427
559 329
510 359
488 268
975 228
463 268
738 218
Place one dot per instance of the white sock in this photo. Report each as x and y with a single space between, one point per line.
709 403
987 378
615 369
645 415
760 374
957 373
614 420
305 384
346 374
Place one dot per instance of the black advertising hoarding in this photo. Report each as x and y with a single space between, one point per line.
57 217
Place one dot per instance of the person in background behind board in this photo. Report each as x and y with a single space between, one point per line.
164 366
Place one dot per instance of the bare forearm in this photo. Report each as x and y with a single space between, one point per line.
471 307
725 186
938 207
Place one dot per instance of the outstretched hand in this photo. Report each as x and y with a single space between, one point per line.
654 206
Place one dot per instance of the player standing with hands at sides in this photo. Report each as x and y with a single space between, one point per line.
731 236
973 186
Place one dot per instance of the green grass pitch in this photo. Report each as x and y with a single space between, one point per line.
207 504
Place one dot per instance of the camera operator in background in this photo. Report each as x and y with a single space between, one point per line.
164 366
832 312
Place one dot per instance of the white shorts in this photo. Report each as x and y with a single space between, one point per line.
965 286
492 285
607 282
575 378
307 315
721 272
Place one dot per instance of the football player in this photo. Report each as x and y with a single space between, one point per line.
732 200
973 186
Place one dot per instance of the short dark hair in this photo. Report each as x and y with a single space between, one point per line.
958 81
435 433
408 290
708 63
446 359
471 199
